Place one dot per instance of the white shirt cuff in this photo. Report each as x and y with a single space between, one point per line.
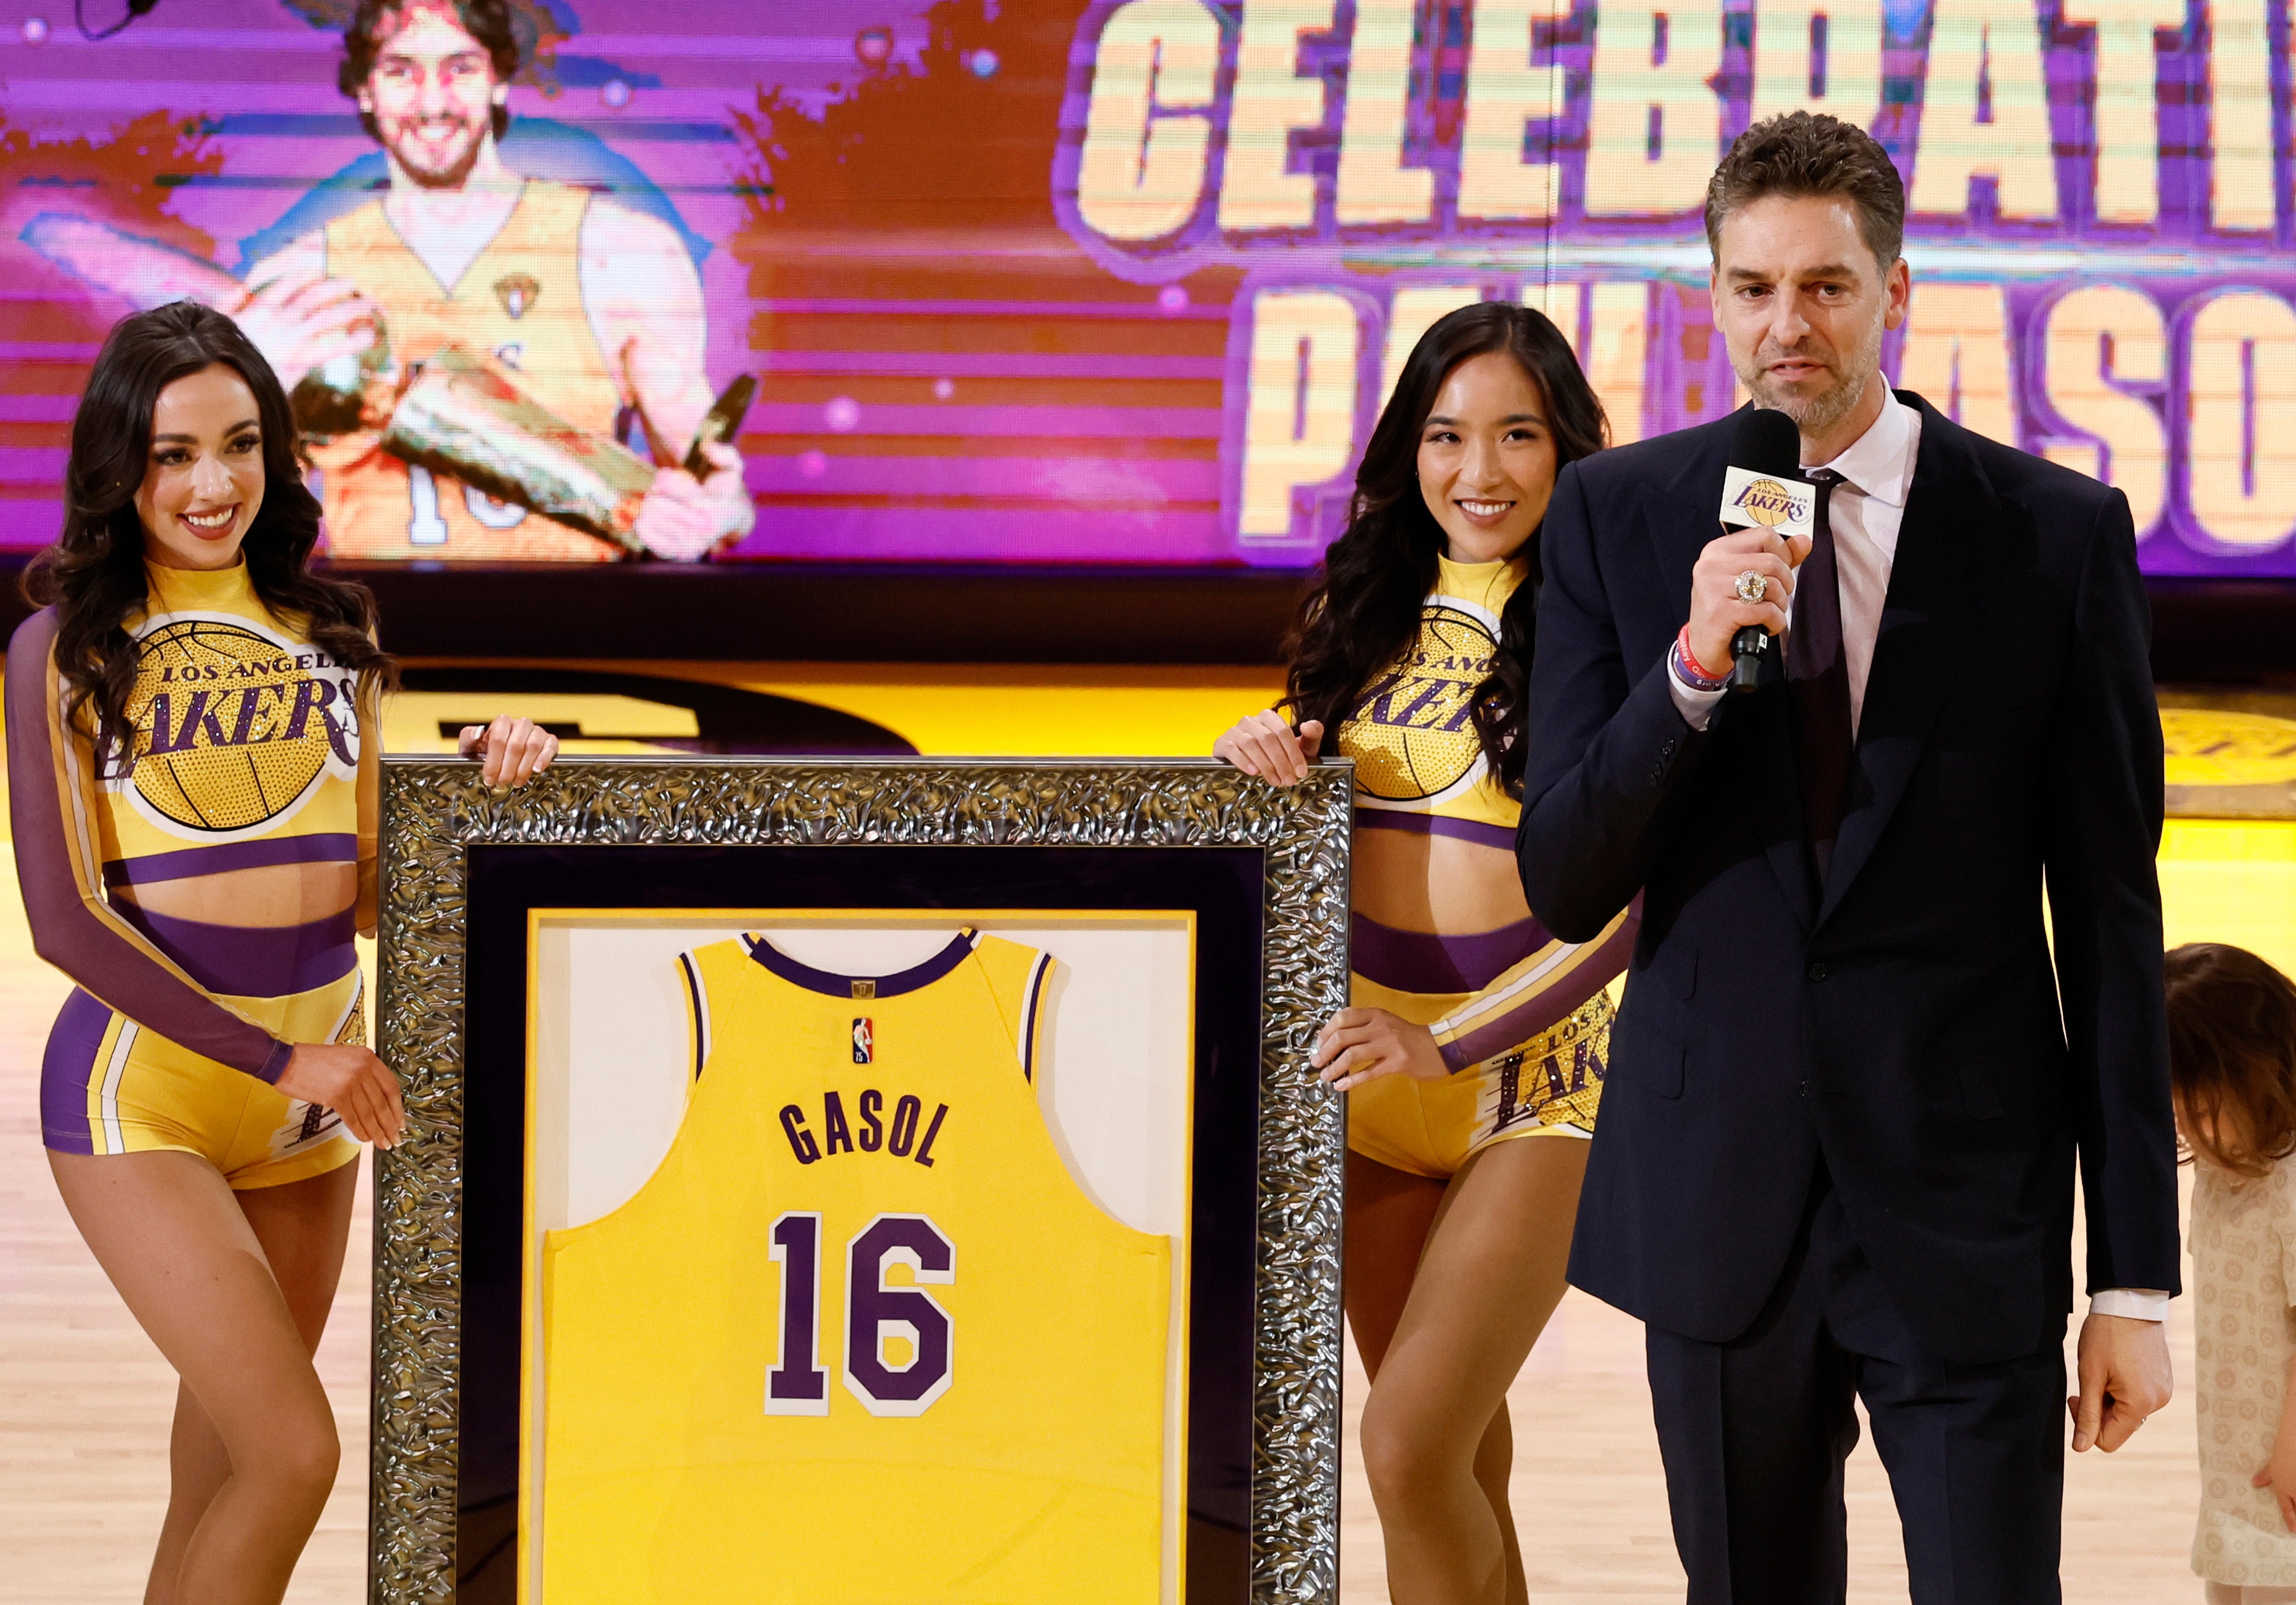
2137 1303
1694 703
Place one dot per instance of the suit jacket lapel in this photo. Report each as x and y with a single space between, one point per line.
1949 546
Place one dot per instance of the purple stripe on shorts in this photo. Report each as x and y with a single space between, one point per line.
1420 961
1544 1011
841 986
1437 824
65 1070
332 848
253 960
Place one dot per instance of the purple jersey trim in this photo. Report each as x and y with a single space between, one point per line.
330 847
66 1069
1420 961
693 1002
912 979
1033 995
1437 824
71 928
253 960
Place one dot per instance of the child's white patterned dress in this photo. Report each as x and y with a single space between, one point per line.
2244 1245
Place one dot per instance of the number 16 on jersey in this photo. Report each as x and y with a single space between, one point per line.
877 1315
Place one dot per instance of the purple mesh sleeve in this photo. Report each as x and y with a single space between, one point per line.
72 927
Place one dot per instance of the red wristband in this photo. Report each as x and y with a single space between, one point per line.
1682 641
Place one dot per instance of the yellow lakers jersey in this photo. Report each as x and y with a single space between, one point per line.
1412 734
521 298
861 1339
250 741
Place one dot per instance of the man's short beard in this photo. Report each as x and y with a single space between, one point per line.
451 178
1814 415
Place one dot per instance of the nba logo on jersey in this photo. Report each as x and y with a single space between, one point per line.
864 1041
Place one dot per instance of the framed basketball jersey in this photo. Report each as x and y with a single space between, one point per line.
899 1289
852 1181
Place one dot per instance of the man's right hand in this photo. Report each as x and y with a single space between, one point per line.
1717 611
301 323
1266 745
351 1081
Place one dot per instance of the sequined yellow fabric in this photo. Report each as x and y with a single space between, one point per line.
1413 734
1556 1077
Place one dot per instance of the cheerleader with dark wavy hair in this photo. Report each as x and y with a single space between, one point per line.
193 782
1473 1052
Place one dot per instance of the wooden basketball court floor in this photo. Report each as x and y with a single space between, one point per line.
84 1398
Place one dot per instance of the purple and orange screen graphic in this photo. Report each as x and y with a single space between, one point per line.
1126 281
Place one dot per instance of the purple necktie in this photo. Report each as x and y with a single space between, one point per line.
1818 676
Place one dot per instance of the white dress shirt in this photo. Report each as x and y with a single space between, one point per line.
1865 511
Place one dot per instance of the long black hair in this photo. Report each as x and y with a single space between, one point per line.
1362 609
93 574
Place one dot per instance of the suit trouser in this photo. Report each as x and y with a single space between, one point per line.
1754 1432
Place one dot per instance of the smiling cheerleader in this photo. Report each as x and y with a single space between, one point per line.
1473 1027
192 778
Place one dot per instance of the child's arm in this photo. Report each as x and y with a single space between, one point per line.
2279 1472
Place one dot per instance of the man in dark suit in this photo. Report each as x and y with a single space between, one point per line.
1848 1085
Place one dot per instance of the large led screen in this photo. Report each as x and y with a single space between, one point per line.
1044 281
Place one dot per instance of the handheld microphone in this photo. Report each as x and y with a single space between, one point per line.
1763 486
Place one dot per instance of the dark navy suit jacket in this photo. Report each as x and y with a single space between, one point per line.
1903 1021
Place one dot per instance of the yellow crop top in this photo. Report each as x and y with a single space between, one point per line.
252 746
1419 764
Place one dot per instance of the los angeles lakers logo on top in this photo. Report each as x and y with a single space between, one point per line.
235 726
1414 730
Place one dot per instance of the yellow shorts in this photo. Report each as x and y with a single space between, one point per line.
109 1087
1548 1086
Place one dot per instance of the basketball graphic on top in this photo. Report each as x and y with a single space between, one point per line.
1415 731
233 725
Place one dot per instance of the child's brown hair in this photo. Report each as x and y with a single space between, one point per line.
2232 1055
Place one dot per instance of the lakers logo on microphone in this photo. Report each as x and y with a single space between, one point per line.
1750 497
1765 502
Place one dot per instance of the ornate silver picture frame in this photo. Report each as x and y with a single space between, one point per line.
462 862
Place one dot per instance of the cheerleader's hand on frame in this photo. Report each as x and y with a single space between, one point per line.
1357 1045
514 752
1266 745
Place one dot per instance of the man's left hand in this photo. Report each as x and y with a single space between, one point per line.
2124 1377
687 518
